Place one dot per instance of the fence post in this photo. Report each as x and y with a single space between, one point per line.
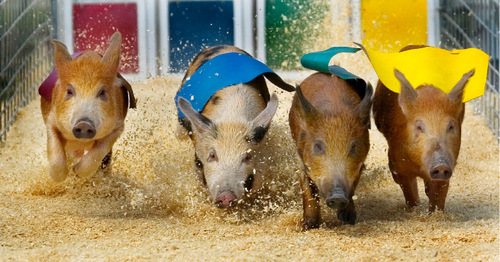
433 23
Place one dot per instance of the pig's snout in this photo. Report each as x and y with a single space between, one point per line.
84 128
225 199
441 171
337 199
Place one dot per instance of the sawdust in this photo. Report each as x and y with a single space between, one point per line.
153 207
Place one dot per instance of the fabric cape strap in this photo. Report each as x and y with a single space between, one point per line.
222 71
319 61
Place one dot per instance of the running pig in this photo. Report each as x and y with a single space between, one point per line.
225 108
85 111
329 120
423 129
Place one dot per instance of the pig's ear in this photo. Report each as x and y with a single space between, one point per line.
407 94
112 55
61 54
305 106
261 123
127 88
365 106
199 121
457 92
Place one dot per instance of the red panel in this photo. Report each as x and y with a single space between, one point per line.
93 25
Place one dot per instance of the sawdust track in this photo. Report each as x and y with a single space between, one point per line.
152 207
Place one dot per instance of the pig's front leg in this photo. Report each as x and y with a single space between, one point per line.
436 191
409 186
348 214
93 159
58 168
310 202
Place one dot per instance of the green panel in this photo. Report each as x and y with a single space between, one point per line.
291 29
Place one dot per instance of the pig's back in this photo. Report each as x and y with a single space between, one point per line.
329 93
207 54
235 103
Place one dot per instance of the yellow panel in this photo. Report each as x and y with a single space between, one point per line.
389 25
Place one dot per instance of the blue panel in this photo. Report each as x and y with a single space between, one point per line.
194 25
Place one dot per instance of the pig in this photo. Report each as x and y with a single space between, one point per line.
86 112
329 122
422 126
228 134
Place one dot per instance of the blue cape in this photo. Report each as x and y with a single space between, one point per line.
222 71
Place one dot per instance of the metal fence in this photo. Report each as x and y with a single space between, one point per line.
475 23
25 32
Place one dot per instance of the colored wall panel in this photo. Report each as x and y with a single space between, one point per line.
93 25
194 25
292 28
389 25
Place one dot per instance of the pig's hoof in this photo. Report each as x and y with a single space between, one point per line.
106 161
59 174
309 226
409 209
310 223
433 208
347 216
80 171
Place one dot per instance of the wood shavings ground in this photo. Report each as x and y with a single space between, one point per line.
152 207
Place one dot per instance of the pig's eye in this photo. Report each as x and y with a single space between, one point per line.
70 92
451 127
419 126
353 150
249 182
247 157
319 148
102 94
212 156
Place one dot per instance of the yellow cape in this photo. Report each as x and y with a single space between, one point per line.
430 65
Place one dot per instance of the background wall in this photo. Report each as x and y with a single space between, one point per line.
159 42
292 28
389 25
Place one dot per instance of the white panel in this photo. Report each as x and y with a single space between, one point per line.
433 37
151 37
67 11
248 36
356 20
261 30
141 34
238 23
164 35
